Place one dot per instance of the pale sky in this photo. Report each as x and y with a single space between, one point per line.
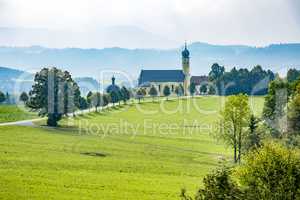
168 22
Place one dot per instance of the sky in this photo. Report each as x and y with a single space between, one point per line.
148 23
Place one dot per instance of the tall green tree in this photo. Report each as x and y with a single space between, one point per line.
294 112
234 121
125 94
192 88
7 98
2 97
49 92
89 99
153 92
203 89
83 103
293 75
96 100
179 90
24 97
253 138
140 94
216 72
167 91
114 97
275 104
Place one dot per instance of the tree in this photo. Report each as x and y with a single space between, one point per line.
115 97
179 90
294 114
203 89
125 94
253 139
24 97
235 118
192 88
2 97
219 186
96 100
292 75
7 98
272 172
211 90
71 94
49 92
83 103
216 72
89 98
167 91
153 92
274 106
140 94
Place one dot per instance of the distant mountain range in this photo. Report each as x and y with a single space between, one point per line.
91 62
16 81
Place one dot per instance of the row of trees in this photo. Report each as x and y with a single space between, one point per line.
271 167
282 107
55 94
253 82
5 98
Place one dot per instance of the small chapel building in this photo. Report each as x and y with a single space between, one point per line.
173 78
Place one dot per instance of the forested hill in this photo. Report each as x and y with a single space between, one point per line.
89 62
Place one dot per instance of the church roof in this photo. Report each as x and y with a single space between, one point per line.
147 76
199 79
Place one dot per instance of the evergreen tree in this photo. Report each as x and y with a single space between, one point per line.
167 91
125 94
24 97
89 98
253 139
115 97
192 88
153 92
203 89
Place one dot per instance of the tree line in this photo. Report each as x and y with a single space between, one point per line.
265 149
55 94
236 81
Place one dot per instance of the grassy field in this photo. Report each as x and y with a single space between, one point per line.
148 151
10 113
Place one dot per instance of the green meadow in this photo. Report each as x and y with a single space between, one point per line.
141 151
10 113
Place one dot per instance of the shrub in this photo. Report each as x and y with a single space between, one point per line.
273 172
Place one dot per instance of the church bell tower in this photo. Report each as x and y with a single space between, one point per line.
186 69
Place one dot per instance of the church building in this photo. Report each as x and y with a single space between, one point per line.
173 78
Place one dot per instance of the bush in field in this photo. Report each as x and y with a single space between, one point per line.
219 186
273 172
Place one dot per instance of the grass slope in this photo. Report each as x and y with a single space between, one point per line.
10 113
79 160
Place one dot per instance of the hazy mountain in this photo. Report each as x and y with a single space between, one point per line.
92 62
16 81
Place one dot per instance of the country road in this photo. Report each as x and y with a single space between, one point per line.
30 122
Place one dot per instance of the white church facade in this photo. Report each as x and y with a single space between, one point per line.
172 78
